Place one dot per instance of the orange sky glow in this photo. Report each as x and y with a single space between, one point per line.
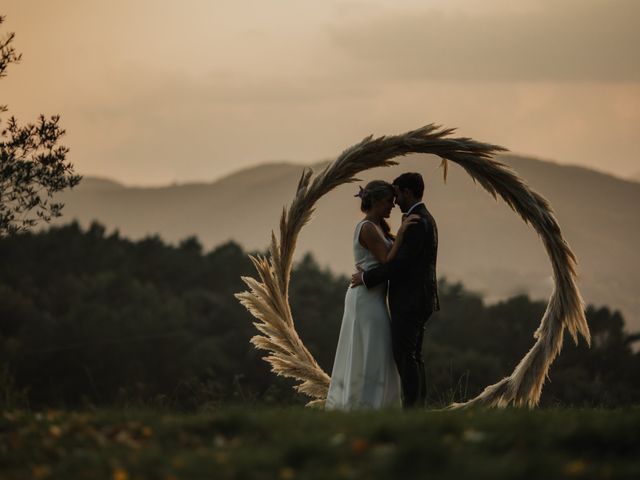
154 92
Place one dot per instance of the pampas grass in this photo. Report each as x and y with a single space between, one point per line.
268 296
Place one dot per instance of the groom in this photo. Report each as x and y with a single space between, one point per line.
413 288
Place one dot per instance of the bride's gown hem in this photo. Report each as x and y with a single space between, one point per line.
364 373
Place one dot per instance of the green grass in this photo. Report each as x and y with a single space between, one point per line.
287 443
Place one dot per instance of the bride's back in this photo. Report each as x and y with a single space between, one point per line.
363 257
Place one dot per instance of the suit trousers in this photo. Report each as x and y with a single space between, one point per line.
407 333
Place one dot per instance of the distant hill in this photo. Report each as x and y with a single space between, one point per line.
482 243
98 184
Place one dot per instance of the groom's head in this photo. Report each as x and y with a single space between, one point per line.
409 188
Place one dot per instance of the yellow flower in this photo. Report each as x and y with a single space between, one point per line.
287 473
40 471
575 468
120 474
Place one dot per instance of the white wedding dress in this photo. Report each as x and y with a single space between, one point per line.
364 373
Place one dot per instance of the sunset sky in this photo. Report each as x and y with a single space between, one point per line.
154 91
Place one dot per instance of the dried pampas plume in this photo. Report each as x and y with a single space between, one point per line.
268 298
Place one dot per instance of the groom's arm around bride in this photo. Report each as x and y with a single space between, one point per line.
412 272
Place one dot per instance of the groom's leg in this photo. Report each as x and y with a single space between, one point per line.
405 330
422 391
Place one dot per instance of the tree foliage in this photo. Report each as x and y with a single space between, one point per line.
33 163
89 317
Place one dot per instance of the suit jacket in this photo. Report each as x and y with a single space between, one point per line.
413 286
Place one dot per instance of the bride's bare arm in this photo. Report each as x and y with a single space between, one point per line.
371 238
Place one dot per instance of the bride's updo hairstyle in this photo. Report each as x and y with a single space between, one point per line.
374 191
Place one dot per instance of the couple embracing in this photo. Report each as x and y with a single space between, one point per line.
378 361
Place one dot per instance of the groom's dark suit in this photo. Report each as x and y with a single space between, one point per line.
413 297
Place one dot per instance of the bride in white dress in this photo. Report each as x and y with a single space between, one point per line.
364 372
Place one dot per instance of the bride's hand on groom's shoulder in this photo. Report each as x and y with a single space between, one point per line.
409 220
356 278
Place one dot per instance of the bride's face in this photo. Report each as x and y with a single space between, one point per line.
384 206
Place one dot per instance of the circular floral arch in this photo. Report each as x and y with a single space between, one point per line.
268 296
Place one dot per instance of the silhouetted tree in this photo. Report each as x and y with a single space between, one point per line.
32 163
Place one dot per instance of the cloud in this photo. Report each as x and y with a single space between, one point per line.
587 40
186 94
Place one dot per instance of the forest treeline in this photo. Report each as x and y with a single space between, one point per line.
90 318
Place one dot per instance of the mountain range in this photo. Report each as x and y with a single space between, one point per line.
483 243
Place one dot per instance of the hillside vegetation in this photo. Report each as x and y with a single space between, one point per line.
89 318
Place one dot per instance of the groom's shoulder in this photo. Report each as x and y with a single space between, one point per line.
427 219
421 226
425 213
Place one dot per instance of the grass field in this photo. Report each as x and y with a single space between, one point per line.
288 443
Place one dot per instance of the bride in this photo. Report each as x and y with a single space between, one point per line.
364 373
